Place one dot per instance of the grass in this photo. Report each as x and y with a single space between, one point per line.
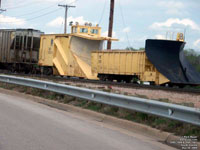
142 96
163 124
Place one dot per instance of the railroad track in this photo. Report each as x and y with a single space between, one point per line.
107 83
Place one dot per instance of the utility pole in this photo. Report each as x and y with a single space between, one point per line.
1 10
110 28
66 10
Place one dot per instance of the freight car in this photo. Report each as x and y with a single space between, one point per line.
163 62
125 66
19 49
70 54
80 54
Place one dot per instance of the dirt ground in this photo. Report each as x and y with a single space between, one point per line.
191 100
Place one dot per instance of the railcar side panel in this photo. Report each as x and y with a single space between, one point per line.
19 45
125 64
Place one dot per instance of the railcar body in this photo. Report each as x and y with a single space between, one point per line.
70 54
125 65
168 57
19 48
80 54
162 62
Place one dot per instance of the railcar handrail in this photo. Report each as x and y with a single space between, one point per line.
161 109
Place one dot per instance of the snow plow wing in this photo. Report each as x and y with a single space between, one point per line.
168 58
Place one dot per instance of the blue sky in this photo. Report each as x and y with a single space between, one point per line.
134 20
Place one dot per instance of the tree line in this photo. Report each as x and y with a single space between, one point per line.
192 56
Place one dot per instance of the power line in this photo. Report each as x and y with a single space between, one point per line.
73 2
50 12
29 4
103 12
11 4
33 18
61 27
1 10
23 5
123 20
34 12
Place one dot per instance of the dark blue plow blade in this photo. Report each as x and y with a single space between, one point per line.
168 58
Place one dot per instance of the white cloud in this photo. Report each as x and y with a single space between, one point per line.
114 35
174 12
126 30
11 21
197 43
140 38
172 7
172 21
122 39
171 4
60 20
159 36
80 20
56 22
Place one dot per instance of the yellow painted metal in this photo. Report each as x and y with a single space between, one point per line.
180 37
126 63
70 54
46 50
89 32
86 30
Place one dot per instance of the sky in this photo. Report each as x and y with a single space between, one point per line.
134 21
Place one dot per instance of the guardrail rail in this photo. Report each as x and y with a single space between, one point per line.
161 109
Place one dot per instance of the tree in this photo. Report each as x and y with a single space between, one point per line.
193 58
133 49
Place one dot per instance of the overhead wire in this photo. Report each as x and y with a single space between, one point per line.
102 14
37 11
124 24
29 4
73 2
50 12
9 4
5 4
21 6
61 26
33 18
63 22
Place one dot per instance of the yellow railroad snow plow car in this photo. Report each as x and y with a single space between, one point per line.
125 65
70 54
163 62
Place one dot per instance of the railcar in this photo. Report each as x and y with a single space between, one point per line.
81 54
70 54
163 62
19 49
128 66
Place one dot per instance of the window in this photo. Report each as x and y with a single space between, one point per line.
51 42
83 30
94 31
74 30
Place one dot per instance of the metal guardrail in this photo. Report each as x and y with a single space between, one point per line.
167 110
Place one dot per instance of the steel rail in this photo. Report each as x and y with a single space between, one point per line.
110 83
161 109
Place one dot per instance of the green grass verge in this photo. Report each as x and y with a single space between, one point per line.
163 124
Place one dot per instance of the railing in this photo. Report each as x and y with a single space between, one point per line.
167 110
